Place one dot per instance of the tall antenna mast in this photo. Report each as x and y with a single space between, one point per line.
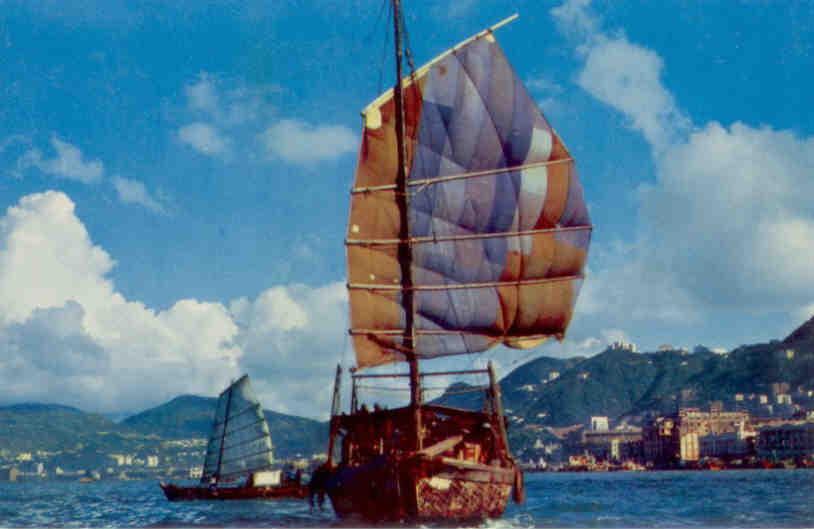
405 252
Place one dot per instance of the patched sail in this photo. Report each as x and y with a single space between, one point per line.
240 442
499 230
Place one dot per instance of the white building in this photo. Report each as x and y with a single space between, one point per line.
624 346
599 423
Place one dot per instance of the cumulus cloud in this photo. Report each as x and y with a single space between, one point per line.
725 224
298 142
204 138
67 162
67 335
135 192
292 338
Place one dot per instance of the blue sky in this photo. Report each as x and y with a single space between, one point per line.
168 230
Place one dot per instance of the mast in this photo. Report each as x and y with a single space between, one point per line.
405 252
223 435
335 403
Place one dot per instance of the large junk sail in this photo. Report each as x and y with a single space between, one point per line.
240 442
498 226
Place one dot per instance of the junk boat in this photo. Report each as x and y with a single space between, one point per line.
239 455
467 230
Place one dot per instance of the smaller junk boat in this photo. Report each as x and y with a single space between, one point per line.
239 455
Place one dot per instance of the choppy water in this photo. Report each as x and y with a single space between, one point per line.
770 498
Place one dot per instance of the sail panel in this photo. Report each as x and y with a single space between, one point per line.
517 256
498 226
240 441
461 320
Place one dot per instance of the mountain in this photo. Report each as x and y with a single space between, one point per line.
35 426
191 416
624 385
803 333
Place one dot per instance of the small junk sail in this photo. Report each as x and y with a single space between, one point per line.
498 227
240 442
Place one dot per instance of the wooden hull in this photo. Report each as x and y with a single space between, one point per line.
180 493
421 489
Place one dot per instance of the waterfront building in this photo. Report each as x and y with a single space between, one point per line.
786 441
728 445
614 445
675 439
152 461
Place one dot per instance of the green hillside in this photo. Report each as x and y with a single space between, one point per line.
32 426
622 384
191 416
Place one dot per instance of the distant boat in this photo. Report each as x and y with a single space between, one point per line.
467 230
239 455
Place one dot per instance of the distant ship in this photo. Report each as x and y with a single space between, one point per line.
239 455
467 230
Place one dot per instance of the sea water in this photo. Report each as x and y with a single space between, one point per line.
743 498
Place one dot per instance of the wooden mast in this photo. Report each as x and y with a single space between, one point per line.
223 435
335 403
405 256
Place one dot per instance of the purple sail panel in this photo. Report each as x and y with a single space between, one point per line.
491 188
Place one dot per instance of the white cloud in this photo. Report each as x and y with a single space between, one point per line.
229 103
135 192
203 95
292 338
628 78
67 335
726 224
298 142
228 117
67 163
204 138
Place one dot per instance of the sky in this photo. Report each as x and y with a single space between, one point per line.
174 181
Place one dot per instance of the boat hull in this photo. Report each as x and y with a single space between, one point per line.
421 489
181 493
